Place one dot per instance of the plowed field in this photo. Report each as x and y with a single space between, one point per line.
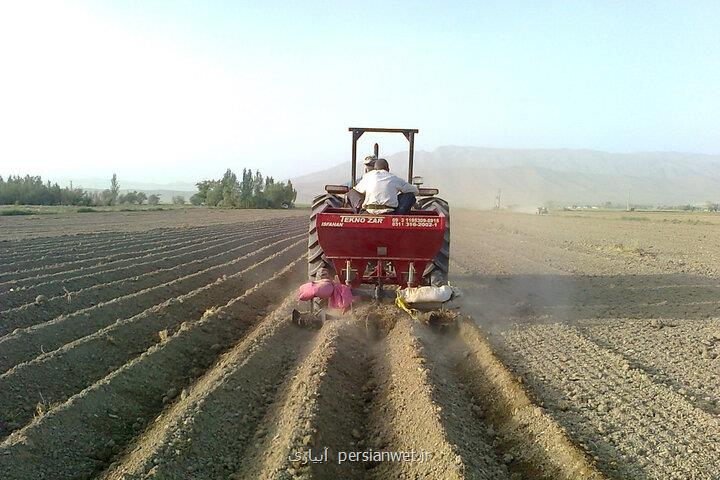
613 322
169 353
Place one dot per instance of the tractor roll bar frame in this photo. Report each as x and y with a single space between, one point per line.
357 132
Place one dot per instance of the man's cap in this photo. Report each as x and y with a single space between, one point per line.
369 160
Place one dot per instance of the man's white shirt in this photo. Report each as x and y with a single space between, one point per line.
382 188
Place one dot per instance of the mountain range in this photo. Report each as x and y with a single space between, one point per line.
473 176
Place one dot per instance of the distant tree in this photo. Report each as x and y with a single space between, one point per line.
230 190
274 195
258 193
130 198
114 189
278 194
246 189
106 198
214 196
153 199
290 194
206 193
178 200
133 197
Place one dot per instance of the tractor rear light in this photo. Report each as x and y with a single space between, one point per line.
427 192
337 189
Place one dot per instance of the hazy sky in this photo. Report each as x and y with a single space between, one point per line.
168 91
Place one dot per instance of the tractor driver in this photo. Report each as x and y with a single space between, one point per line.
355 198
369 163
385 192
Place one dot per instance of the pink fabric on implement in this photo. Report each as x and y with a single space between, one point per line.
341 297
323 289
320 289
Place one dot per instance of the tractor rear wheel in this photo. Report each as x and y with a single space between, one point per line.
315 256
436 272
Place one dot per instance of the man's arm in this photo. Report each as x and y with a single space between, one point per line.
361 186
406 187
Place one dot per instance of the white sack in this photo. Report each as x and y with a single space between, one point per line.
428 294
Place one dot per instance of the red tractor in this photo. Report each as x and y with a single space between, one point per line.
367 249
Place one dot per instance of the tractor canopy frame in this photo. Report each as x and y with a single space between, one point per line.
409 134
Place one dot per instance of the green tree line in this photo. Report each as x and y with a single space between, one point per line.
252 191
31 190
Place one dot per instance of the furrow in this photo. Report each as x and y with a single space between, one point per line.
69 254
529 441
416 407
122 244
88 359
30 342
29 246
87 430
355 404
205 434
601 400
73 264
695 375
169 269
29 249
20 280
88 277
314 398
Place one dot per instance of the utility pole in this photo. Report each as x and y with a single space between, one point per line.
627 207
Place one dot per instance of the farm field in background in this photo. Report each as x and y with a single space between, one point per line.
66 220
613 323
